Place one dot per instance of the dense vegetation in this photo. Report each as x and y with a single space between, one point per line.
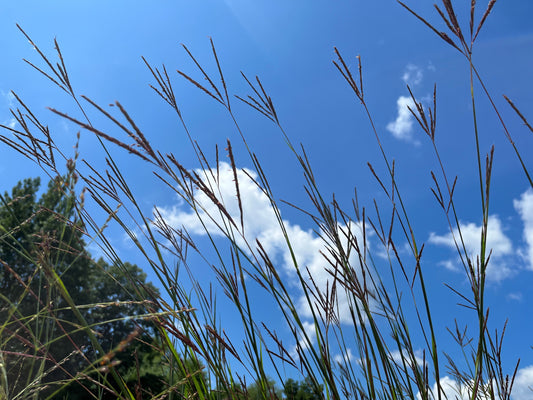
42 247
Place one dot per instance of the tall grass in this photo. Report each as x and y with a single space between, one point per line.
389 315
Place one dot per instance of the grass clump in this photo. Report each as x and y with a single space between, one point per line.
374 296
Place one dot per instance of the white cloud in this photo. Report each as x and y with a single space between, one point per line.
502 248
309 329
260 219
11 123
449 387
524 207
498 268
9 97
10 100
304 343
521 390
523 384
397 357
450 265
496 239
452 390
345 357
260 223
412 75
515 296
402 126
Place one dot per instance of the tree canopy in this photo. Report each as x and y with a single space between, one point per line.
304 390
45 269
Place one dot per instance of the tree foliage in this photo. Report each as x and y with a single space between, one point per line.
45 269
307 389
262 390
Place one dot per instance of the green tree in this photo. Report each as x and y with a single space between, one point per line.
290 389
263 390
308 389
41 339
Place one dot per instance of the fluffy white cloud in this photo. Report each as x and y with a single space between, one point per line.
498 268
260 223
412 75
503 252
452 390
496 239
524 207
260 218
523 384
402 126
522 387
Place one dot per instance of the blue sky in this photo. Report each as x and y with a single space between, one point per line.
289 45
